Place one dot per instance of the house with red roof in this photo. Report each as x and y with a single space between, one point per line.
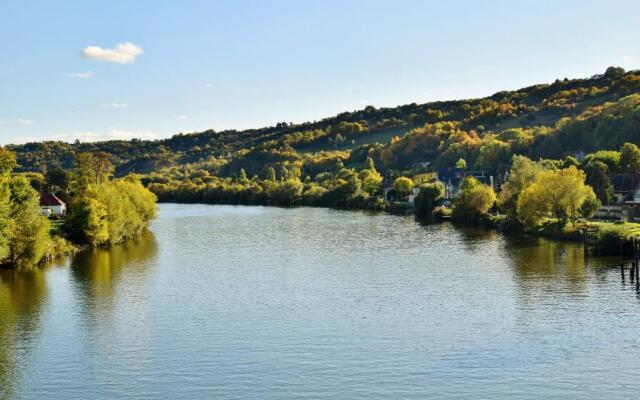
50 204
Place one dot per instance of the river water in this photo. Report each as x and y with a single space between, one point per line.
266 303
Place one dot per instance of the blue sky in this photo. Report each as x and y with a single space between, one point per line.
194 65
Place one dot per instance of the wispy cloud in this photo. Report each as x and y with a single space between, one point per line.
17 121
111 134
89 136
115 105
123 53
81 75
183 117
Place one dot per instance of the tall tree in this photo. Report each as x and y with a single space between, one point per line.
630 158
91 168
522 174
430 196
598 178
7 161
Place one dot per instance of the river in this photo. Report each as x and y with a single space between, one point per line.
267 303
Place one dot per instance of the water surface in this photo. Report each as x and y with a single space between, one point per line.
266 303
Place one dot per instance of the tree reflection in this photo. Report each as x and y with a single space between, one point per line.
540 264
22 293
98 272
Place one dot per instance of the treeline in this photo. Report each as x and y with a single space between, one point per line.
346 187
100 210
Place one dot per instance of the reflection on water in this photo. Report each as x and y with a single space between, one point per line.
540 259
257 302
96 272
21 296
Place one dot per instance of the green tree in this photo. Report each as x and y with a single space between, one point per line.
369 164
284 173
243 176
522 174
570 161
7 224
431 195
271 174
30 238
87 221
287 192
121 207
57 179
461 164
371 181
91 168
610 157
7 161
598 178
630 158
614 72
403 186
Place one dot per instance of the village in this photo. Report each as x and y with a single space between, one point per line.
623 206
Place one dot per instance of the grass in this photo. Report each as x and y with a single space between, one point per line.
56 225
380 136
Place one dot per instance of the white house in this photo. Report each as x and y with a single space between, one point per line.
50 204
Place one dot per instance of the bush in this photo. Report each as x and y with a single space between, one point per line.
441 212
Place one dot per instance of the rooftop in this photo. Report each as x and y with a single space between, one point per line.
49 199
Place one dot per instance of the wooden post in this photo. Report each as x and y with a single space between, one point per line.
635 257
585 240
620 252
634 262
621 260
632 271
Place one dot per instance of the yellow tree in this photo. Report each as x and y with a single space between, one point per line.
559 194
403 186
474 201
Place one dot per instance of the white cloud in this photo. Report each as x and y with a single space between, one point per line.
111 134
183 117
19 121
21 140
123 53
81 75
116 105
